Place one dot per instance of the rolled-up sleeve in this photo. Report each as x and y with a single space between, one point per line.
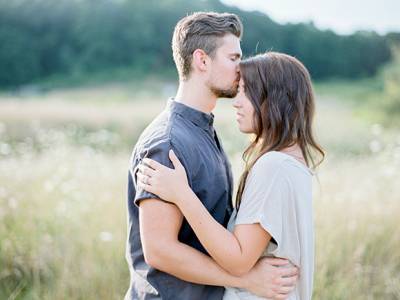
158 152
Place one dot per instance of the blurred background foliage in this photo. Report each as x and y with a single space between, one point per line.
41 39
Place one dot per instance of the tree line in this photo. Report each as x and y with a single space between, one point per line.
41 38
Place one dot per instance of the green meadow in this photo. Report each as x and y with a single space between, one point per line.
63 167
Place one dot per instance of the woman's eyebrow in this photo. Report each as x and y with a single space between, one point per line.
236 54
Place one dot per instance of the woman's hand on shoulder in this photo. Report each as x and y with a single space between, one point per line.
168 184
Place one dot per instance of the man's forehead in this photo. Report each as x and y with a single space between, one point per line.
231 45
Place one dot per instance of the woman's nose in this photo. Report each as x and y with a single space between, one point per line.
236 102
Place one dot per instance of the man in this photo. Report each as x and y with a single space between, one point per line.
165 257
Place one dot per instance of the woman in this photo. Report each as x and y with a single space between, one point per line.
273 215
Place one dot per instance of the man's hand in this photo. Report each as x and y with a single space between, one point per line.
273 278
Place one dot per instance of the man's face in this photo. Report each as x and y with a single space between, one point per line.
224 73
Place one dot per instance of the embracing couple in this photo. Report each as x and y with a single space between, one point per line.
186 239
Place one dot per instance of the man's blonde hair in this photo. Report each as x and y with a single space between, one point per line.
201 30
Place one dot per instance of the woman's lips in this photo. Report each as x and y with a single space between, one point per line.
239 116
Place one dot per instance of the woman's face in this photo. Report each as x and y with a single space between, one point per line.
244 110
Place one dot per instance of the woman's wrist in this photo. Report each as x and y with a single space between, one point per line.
184 196
240 282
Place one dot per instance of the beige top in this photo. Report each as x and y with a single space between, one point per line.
278 195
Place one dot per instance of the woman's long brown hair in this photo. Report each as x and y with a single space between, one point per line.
280 90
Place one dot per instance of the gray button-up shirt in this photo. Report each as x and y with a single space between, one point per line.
190 133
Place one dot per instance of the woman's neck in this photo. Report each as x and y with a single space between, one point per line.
295 152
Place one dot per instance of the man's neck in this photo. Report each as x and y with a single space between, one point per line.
196 96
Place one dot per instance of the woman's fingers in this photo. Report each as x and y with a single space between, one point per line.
288 281
283 292
288 271
145 170
281 297
152 163
141 184
143 178
175 160
146 187
275 261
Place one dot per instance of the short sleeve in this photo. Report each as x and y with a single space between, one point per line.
158 152
265 199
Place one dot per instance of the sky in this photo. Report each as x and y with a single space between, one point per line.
342 16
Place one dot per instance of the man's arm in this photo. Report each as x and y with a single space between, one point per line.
238 251
160 223
159 227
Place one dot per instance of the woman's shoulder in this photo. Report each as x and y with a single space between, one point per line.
267 166
271 159
274 162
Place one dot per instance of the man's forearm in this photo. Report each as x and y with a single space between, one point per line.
189 264
223 246
160 224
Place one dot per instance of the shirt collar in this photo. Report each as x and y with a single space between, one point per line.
199 118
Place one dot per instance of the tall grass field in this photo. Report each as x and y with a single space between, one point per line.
63 172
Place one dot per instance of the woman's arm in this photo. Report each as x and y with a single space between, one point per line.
236 252
160 223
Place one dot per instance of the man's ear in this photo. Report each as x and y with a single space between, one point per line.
200 60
